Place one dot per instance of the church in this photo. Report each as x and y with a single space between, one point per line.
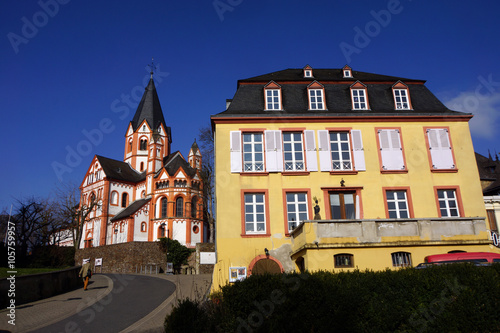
152 193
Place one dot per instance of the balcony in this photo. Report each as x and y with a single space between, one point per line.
317 234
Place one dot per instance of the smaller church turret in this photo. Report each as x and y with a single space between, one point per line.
194 156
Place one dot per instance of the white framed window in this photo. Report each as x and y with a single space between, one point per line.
391 150
255 215
401 259
401 101
253 152
359 99
347 73
296 209
397 204
307 73
273 99
440 148
293 151
339 150
448 203
343 205
316 100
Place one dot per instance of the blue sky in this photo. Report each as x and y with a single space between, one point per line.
67 66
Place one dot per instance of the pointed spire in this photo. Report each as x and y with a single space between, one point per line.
489 155
194 146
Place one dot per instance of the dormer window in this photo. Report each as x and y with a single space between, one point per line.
401 96
308 73
359 95
316 96
272 95
347 71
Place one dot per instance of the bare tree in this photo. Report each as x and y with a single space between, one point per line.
206 140
34 220
72 213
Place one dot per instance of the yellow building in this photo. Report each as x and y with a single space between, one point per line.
336 169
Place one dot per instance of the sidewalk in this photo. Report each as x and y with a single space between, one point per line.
35 315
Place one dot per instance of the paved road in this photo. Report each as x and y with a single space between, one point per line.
125 305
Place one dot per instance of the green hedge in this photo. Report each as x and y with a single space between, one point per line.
450 298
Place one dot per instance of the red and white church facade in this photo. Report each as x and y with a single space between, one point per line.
152 193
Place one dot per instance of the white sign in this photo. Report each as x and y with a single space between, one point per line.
98 261
207 258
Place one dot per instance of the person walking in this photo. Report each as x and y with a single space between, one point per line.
85 273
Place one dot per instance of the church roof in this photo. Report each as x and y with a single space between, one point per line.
119 170
195 147
489 171
149 109
131 209
174 161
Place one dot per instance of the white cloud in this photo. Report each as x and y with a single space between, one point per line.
484 107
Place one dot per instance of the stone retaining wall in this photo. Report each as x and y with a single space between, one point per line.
30 288
131 257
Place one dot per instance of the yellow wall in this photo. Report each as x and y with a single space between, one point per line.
233 250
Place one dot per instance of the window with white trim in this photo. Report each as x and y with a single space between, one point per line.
273 99
401 99
397 204
440 148
296 209
255 215
253 152
359 99
316 100
341 150
448 203
293 151
401 259
307 73
347 73
391 150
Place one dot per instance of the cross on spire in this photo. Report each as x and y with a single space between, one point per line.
152 67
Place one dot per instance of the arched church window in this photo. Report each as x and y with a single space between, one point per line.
164 204
124 199
193 207
114 198
179 207
143 144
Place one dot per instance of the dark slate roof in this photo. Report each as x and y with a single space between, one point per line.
249 97
119 170
323 74
489 170
173 162
131 209
149 109
195 147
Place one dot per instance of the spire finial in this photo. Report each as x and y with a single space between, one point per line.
152 66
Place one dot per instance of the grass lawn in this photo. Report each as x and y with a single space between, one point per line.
26 271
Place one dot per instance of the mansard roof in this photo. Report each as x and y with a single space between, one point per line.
131 209
173 162
149 109
119 170
249 97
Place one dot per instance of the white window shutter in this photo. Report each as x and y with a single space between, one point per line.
357 148
235 149
391 150
311 157
279 150
440 149
274 157
325 161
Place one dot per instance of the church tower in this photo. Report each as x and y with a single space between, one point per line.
194 157
148 138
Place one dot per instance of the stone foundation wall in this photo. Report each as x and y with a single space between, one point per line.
132 257
204 247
